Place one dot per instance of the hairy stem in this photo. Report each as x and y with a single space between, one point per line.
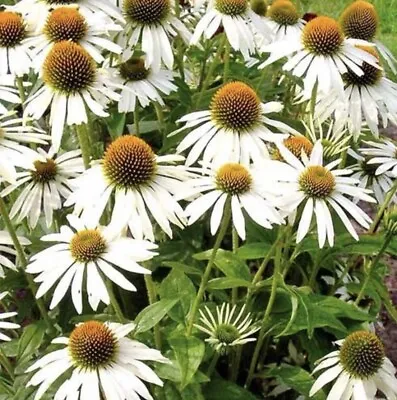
372 266
269 308
152 297
210 264
84 141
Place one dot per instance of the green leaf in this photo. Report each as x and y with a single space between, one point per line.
115 123
325 312
294 310
230 264
172 372
384 295
178 286
153 314
30 341
227 283
306 304
183 267
253 251
294 377
189 352
219 389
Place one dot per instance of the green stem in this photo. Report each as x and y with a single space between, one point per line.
82 134
235 248
226 62
210 264
372 267
204 64
262 267
314 272
160 119
236 363
379 215
24 262
261 79
313 99
21 90
136 119
339 281
269 307
114 302
212 366
5 362
152 297
211 70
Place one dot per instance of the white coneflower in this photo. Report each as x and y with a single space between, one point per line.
67 23
319 187
6 324
103 361
6 251
71 83
8 93
143 184
360 21
365 99
36 11
382 154
142 85
320 54
334 138
244 187
235 128
87 253
360 369
227 329
365 172
153 23
12 133
14 53
238 20
46 180
284 20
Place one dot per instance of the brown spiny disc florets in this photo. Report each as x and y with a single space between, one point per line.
360 20
87 245
233 179
317 181
296 144
45 171
362 354
146 12
235 106
372 75
283 12
231 7
65 23
12 29
129 162
68 68
92 345
322 36
133 69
